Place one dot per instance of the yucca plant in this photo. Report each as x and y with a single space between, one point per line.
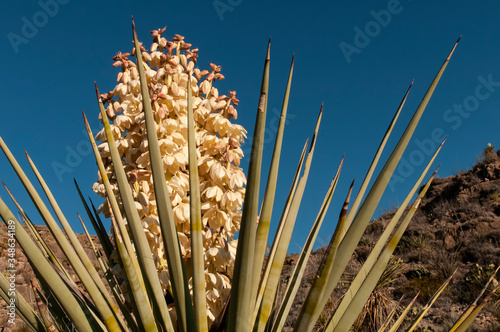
169 172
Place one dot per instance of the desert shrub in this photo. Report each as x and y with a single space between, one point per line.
493 196
489 155
427 284
443 262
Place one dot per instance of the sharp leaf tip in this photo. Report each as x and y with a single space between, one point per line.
268 55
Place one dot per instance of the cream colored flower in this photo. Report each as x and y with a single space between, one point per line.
168 71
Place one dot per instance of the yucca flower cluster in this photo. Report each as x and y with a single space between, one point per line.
169 66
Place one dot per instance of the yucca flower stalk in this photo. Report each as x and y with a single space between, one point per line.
169 65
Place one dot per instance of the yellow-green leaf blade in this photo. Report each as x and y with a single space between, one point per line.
403 315
241 306
197 249
268 200
177 273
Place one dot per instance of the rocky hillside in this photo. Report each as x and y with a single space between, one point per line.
24 274
457 226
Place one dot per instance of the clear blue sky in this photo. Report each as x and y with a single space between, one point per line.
48 74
